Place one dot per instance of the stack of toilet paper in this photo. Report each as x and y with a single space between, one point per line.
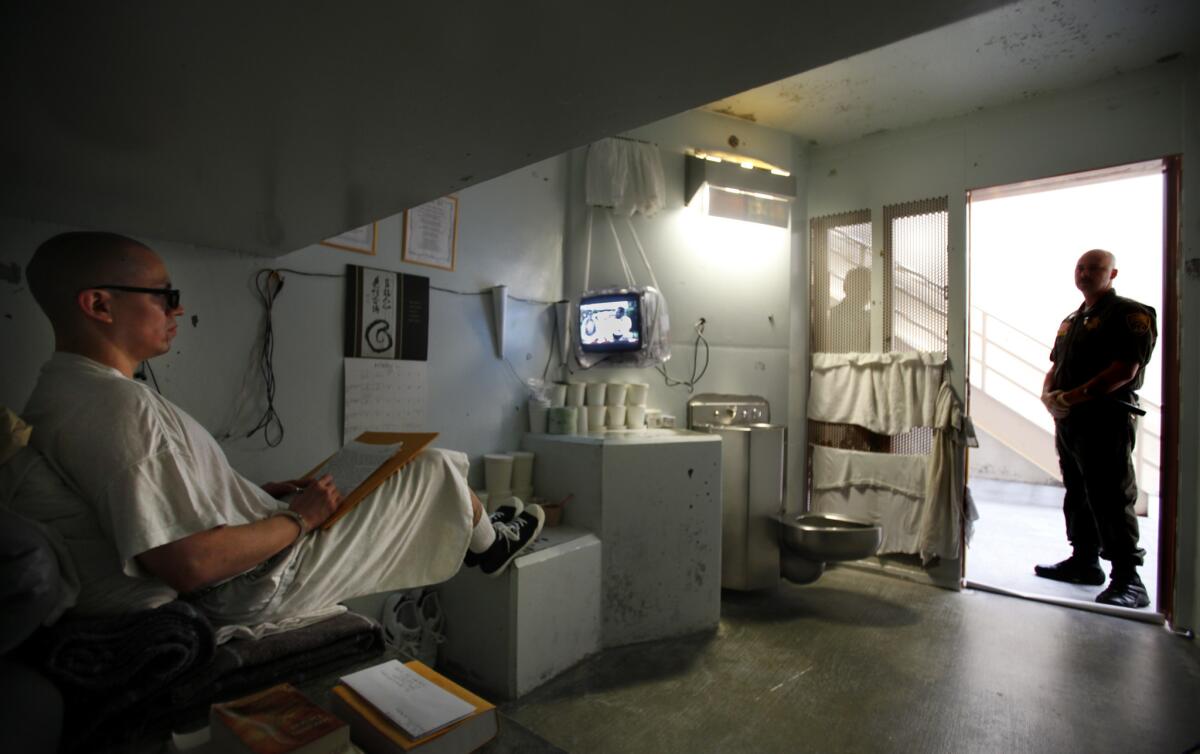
569 408
507 475
615 405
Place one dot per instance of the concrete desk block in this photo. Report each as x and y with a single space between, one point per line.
506 636
653 496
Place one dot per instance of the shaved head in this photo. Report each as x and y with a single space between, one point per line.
69 262
1109 257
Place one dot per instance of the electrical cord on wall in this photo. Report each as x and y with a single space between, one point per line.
144 371
690 383
268 283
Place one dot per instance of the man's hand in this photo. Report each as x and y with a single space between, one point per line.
280 490
1054 403
317 501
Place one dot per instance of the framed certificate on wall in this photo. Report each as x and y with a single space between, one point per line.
361 240
430 233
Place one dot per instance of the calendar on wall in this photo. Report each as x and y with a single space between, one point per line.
384 395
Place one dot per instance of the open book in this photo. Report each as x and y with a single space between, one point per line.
364 463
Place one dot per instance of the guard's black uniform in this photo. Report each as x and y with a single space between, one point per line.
1095 440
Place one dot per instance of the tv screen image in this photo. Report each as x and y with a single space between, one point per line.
611 322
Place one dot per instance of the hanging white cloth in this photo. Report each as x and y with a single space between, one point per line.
944 507
626 176
888 393
883 488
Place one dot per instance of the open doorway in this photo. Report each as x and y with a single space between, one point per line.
1024 242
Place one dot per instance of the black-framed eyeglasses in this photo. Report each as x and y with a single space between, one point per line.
171 294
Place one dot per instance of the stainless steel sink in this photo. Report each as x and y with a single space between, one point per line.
828 536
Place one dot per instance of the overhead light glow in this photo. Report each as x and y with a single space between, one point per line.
777 171
748 165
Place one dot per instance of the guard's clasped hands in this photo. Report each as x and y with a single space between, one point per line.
1054 403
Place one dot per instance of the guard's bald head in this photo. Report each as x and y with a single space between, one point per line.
1109 258
69 262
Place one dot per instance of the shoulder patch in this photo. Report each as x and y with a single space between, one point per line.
1065 327
1138 322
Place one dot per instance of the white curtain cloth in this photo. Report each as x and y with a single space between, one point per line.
888 393
625 175
944 507
882 488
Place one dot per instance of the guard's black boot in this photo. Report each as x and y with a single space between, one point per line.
1076 569
1125 590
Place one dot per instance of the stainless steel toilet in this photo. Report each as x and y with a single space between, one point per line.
811 540
759 541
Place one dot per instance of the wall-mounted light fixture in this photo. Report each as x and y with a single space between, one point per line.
740 188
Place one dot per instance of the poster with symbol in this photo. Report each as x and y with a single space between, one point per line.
387 314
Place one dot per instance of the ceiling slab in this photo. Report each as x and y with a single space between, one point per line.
1016 52
266 126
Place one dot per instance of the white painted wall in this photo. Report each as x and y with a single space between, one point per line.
510 231
1135 117
734 274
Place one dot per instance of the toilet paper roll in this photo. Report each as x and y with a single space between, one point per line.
557 393
637 394
594 393
581 420
537 415
614 394
635 417
575 393
616 417
561 420
596 417
497 473
522 474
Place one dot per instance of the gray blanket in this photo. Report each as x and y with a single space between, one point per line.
130 678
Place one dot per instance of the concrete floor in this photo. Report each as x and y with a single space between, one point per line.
865 662
1022 524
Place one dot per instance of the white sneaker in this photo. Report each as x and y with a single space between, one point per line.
402 624
433 621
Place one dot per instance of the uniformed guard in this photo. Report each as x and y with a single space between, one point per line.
1098 360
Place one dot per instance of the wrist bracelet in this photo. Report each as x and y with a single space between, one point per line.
289 513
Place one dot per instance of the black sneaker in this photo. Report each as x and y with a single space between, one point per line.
502 515
1073 570
1125 591
511 539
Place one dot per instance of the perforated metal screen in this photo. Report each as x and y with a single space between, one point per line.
915 288
840 288
916 238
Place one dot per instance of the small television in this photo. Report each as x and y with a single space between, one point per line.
611 322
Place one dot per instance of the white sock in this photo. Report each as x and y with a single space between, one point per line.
483 535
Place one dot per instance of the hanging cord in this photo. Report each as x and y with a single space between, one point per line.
620 251
587 259
268 283
690 383
645 260
145 370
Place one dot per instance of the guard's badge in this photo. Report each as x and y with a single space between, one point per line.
1139 323
1091 323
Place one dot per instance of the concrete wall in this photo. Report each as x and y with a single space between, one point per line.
1135 117
736 275
510 231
